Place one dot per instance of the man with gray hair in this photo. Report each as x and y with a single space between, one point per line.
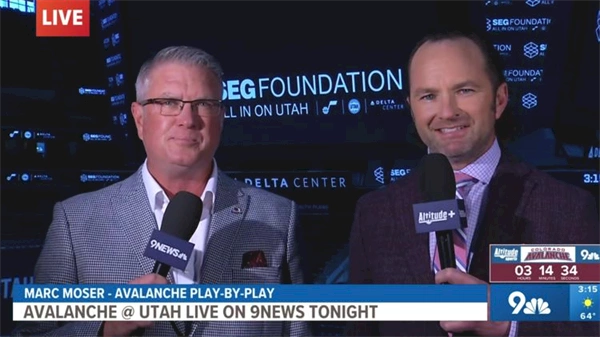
100 237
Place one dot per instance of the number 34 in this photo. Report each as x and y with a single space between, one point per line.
566 270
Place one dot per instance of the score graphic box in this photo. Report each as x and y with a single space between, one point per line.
544 263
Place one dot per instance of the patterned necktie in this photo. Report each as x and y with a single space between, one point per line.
464 182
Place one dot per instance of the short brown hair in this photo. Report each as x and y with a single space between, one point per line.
493 61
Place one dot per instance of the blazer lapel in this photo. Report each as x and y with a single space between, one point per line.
500 222
135 219
416 250
137 222
231 204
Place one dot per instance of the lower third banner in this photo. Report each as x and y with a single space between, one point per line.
250 302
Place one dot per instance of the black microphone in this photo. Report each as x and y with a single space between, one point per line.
437 183
438 186
180 221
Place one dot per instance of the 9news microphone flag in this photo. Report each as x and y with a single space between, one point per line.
250 302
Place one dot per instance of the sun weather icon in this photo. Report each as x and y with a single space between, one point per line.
588 303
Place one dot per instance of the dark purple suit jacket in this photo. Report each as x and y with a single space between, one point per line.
523 205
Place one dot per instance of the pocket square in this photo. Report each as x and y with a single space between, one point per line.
253 259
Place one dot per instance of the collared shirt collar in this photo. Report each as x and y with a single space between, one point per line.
484 167
157 196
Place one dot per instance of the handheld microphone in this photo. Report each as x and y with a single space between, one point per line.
179 223
441 211
438 186
170 245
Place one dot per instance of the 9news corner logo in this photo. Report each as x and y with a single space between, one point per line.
62 18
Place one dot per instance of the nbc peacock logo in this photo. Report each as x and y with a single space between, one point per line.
534 306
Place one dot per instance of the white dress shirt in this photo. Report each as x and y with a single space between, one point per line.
158 204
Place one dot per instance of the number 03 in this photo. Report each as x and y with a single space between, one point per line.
522 270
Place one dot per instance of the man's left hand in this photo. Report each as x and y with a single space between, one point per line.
488 328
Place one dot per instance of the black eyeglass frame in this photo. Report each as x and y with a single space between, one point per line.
194 103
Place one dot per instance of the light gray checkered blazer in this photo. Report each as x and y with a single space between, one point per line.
100 237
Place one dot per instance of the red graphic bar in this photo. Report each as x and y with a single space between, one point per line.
545 273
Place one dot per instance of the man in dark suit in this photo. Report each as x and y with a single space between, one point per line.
457 95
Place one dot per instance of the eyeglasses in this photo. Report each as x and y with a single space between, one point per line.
173 106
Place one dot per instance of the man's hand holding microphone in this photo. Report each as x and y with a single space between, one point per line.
179 223
438 186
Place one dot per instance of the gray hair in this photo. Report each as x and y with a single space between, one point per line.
178 54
